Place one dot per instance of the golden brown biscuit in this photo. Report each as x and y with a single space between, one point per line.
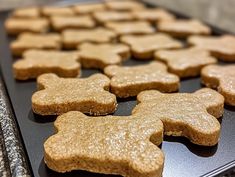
63 11
29 12
153 15
59 95
143 47
73 38
221 78
183 28
136 27
192 115
88 8
102 55
60 23
185 62
129 81
25 41
124 145
106 16
222 47
124 5
37 62
16 26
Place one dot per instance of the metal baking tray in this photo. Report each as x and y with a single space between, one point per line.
182 158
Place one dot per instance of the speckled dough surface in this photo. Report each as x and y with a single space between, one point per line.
62 11
29 12
135 27
102 55
26 41
129 81
143 47
221 78
72 38
192 115
61 22
185 62
106 16
37 62
16 26
124 5
222 47
60 95
88 8
183 28
124 145
152 15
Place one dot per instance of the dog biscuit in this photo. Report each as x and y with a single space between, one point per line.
37 62
124 5
59 95
88 8
221 78
29 12
124 145
192 115
129 81
62 11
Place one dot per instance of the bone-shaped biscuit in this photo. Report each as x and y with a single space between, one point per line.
221 78
129 81
222 47
60 23
37 62
152 15
106 16
88 8
62 11
59 95
124 5
183 28
124 145
143 46
102 55
135 27
29 12
192 115
185 62
72 38
16 26
26 41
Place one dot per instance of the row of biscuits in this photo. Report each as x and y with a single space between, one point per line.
125 145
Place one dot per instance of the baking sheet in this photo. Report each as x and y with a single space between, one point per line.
182 158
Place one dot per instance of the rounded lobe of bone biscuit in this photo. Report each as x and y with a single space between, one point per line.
29 12
113 145
222 79
129 81
88 95
73 38
26 41
88 8
190 119
213 101
222 47
16 26
153 15
144 46
185 62
124 5
106 16
183 28
135 27
72 22
102 55
37 62
62 11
